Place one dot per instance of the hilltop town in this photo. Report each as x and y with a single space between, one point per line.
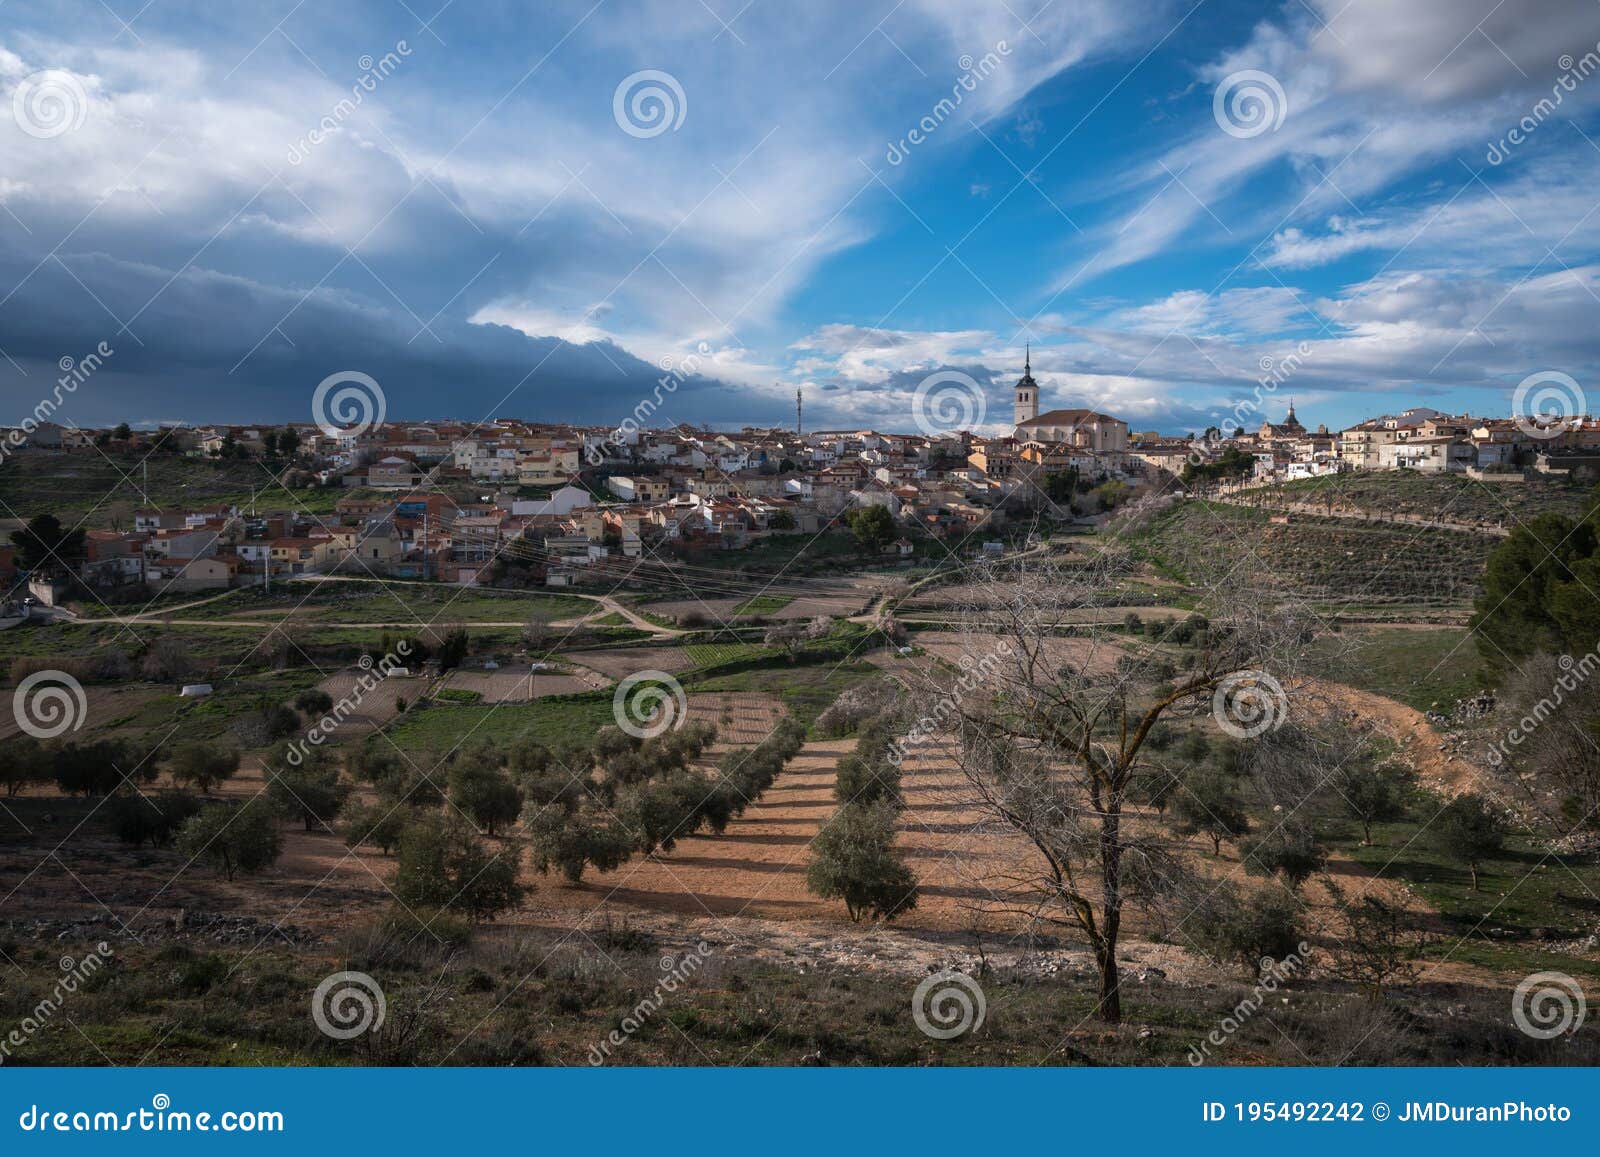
455 503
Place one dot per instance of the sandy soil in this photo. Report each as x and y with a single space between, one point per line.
618 663
377 706
742 718
1418 741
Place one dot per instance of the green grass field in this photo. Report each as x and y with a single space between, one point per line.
554 720
1524 894
716 654
1425 668
763 605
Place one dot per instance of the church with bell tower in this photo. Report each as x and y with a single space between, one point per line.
1075 429
1026 408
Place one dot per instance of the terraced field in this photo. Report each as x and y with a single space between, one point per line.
1355 567
1431 496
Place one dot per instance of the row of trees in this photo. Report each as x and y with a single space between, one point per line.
630 796
1067 725
99 767
854 857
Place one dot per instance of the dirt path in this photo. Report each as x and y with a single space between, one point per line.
159 613
606 605
1411 732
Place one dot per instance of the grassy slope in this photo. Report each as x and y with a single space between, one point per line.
1428 669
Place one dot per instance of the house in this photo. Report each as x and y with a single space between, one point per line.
112 557
147 521
1430 455
1170 456
300 555
181 543
562 502
554 468
194 574
392 473
631 489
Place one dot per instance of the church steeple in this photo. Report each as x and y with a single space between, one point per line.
1290 422
1026 394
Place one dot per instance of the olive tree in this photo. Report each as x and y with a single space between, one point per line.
233 838
443 864
854 859
1048 723
204 765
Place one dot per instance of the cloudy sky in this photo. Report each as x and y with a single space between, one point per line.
486 208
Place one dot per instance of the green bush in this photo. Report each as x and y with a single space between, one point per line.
1248 928
443 864
571 842
854 859
155 818
233 838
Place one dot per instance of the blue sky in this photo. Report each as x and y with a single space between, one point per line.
482 233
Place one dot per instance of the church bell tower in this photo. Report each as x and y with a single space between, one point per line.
1026 407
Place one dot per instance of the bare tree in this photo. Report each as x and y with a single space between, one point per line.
1050 718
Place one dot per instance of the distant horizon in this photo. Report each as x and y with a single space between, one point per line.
540 211
725 428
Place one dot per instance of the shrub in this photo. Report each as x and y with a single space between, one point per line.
443 864
233 838
166 661
153 819
854 859
453 648
1289 850
204 765
1378 948
313 702
409 924
1248 928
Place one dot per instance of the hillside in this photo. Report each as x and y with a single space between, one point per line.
1348 566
